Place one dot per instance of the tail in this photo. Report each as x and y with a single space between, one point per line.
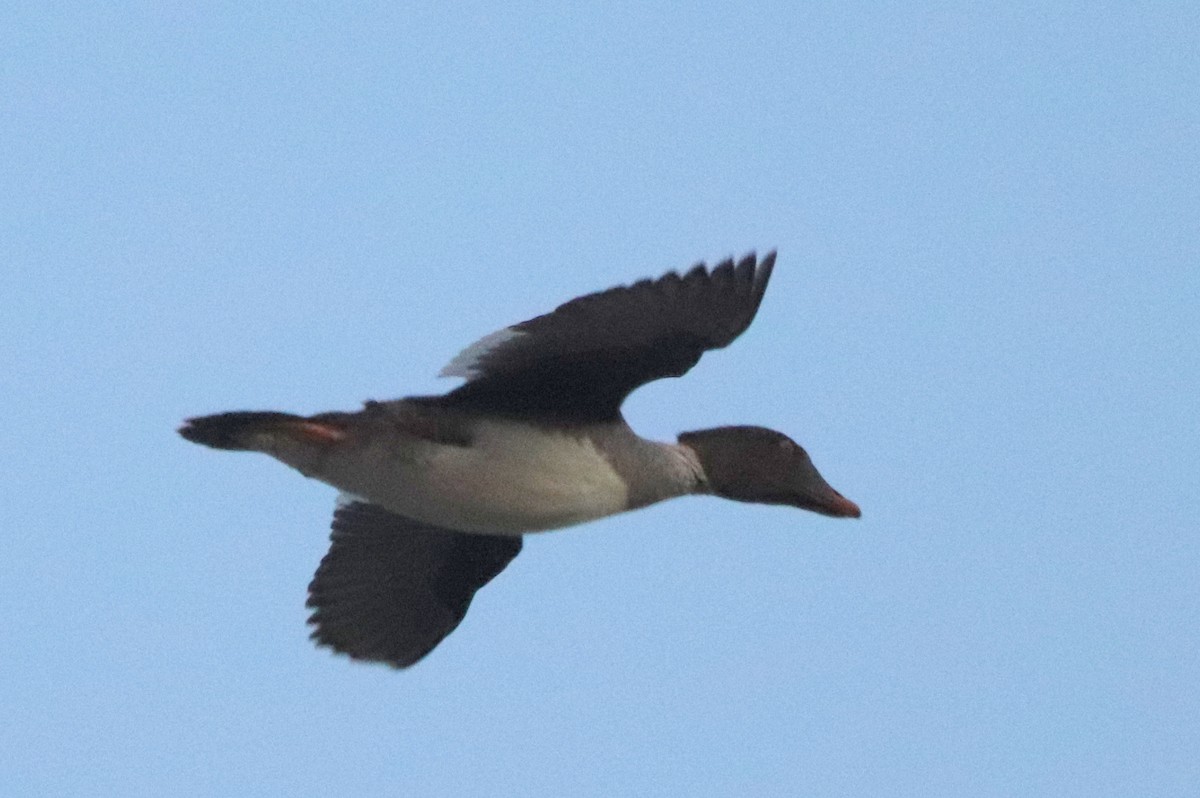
249 431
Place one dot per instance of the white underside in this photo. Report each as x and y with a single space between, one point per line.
512 479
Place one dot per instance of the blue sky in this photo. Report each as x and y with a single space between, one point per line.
984 326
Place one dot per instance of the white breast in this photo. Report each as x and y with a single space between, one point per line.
513 478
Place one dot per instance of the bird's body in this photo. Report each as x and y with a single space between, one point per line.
511 478
462 471
437 490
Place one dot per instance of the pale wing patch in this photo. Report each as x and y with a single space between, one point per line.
345 499
466 362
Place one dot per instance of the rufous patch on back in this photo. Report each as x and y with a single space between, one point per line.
320 433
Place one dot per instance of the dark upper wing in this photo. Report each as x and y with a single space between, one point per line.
581 361
391 588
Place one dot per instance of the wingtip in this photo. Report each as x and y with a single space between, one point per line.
765 266
759 273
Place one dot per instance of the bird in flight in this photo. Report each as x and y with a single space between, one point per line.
437 491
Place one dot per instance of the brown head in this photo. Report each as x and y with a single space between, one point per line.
756 464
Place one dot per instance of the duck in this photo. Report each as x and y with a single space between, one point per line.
437 492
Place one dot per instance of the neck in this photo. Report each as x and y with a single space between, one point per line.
655 471
690 469
675 470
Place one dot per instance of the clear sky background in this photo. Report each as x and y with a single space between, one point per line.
984 325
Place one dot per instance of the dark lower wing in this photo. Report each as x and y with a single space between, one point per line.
391 588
